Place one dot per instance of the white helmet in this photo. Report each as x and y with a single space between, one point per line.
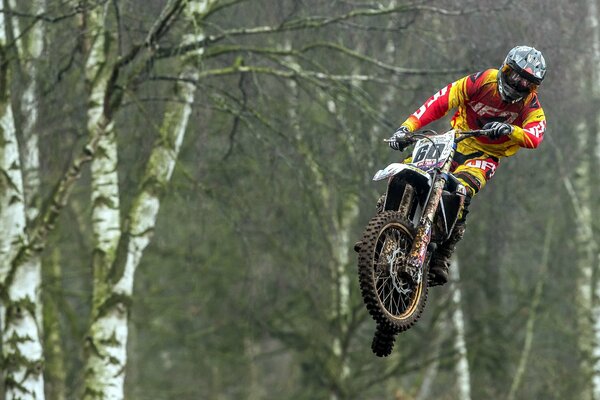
523 70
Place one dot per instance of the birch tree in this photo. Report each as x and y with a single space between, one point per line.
339 244
535 303
55 371
594 146
460 346
21 272
114 273
586 250
21 266
104 373
115 64
579 193
580 190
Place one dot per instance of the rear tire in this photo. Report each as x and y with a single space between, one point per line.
394 295
383 342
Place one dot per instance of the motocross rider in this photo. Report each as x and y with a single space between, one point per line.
504 100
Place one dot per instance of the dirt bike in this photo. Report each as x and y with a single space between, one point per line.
417 213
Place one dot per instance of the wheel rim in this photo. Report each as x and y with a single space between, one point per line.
397 290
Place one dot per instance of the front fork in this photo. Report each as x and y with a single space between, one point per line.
418 251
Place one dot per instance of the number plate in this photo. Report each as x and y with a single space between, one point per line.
433 151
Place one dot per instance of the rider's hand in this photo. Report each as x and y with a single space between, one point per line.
399 141
499 129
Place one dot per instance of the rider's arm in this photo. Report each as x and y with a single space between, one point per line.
531 133
447 98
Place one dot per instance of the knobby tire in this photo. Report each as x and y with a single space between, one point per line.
383 342
386 305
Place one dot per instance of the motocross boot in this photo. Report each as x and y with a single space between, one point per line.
440 262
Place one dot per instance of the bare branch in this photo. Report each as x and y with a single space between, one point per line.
47 17
163 24
221 6
342 49
281 73
119 26
312 22
236 119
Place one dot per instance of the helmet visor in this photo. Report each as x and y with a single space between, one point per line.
518 82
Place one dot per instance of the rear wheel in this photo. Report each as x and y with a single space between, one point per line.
383 342
394 293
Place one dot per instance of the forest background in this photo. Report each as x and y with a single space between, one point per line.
183 180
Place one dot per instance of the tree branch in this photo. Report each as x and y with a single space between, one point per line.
232 70
45 17
164 23
339 48
221 6
236 119
311 22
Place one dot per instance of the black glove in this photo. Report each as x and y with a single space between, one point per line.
399 137
499 129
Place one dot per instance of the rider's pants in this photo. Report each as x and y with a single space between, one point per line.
473 168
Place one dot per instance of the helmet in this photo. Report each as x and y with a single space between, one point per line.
523 70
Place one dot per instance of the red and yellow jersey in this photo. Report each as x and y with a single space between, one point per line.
478 102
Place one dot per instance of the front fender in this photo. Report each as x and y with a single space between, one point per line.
399 175
396 168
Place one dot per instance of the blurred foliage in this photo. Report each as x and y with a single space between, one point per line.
233 298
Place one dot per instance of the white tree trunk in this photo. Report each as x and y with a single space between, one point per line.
159 170
109 329
529 328
340 246
440 334
586 251
104 375
31 53
12 205
339 242
20 272
113 278
462 365
19 277
593 15
103 378
55 373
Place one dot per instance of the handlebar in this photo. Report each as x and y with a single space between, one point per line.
460 135
478 132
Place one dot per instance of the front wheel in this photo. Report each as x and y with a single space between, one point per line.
394 293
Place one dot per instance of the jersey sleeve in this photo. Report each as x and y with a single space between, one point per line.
531 133
446 99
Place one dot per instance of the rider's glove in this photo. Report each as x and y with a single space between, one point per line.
399 137
499 129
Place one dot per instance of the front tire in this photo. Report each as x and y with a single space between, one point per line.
393 294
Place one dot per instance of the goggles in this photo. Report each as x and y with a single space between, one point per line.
516 81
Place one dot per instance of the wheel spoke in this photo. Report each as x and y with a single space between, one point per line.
392 295
395 289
